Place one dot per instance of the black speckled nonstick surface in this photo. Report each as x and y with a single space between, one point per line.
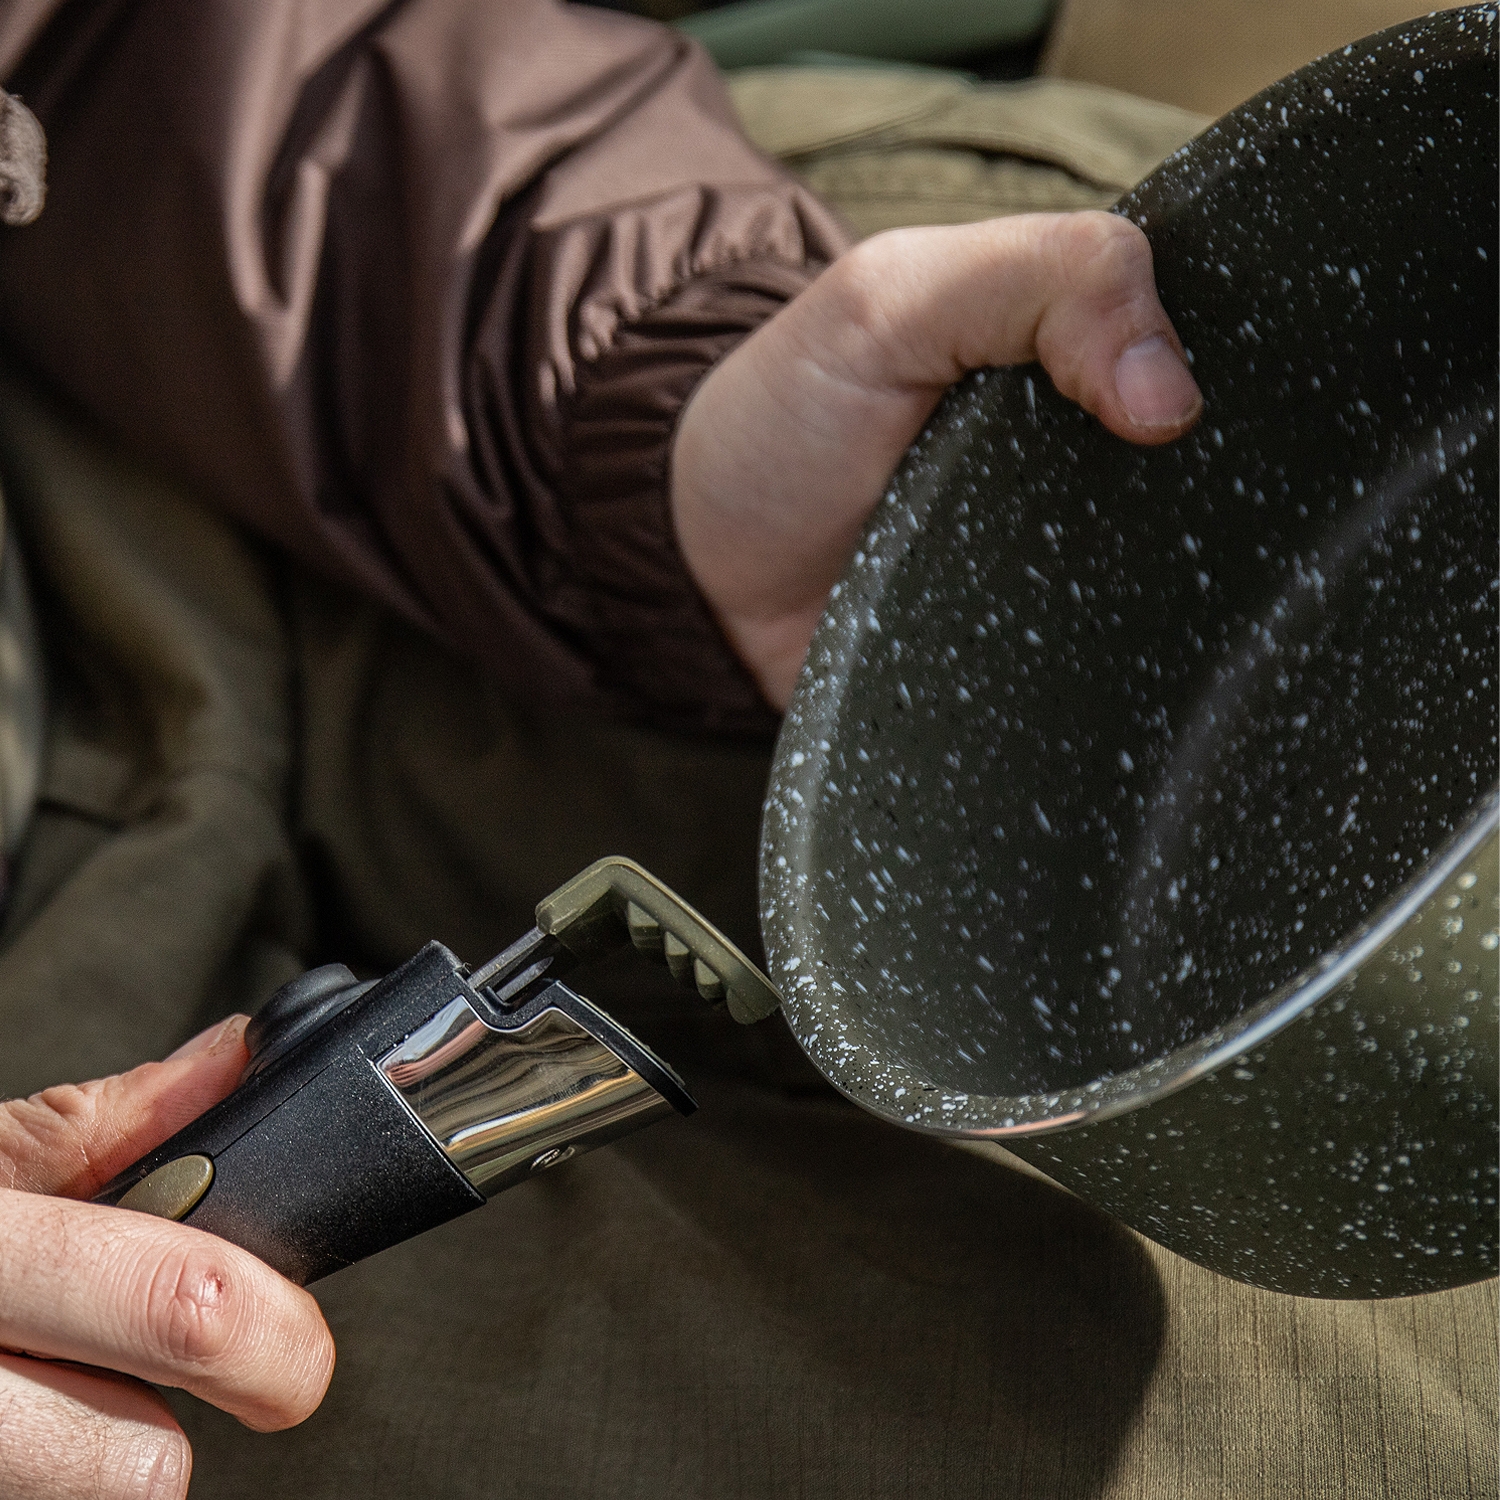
1114 770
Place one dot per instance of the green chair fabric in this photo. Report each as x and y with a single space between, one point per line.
897 146
768 31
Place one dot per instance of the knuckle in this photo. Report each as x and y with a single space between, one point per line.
41 1137
69 1431
141 1463
193 1308
858 276
846 326
51 1141
1104 251
880 304
74 1102
165 1467
1067 359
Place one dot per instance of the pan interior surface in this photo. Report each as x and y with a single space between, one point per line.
1100 747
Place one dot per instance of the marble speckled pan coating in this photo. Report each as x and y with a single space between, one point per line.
1137 808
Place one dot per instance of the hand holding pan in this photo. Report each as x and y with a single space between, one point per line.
1137 809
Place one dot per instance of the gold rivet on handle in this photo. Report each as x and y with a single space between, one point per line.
172 1191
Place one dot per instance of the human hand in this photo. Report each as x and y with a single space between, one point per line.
787 445
82 1285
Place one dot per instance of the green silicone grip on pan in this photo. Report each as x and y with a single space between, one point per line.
615 899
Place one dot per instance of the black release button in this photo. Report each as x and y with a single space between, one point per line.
296 1010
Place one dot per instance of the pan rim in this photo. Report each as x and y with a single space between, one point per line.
1113 1094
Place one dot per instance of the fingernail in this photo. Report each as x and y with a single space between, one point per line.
1155 386
206 1041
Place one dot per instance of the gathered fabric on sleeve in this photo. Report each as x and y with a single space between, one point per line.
417 290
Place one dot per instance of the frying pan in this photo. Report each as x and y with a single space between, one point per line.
1137 809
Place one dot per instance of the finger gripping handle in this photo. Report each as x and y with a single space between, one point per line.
615 900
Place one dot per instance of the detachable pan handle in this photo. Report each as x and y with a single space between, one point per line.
615 901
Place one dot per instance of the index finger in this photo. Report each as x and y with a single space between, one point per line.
73 1138
161 1301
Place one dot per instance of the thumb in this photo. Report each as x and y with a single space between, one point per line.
71 1139
914 309
789 441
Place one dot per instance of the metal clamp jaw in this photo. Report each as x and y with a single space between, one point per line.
558 1078
550 1075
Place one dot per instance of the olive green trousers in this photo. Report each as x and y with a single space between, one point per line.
778 1296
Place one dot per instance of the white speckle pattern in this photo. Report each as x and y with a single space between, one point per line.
1184 757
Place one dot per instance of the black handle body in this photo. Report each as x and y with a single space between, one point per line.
316 1160
317 1164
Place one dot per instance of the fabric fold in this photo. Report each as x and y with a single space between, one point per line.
347 270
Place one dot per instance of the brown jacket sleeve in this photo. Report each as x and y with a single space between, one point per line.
418 290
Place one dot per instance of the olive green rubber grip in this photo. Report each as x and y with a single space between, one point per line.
615 898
